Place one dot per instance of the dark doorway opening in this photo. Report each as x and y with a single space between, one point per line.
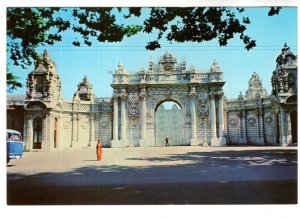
37 133
294 126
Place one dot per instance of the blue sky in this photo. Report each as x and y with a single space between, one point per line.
99 61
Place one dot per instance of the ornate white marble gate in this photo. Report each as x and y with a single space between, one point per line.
52 122
169 124
137 96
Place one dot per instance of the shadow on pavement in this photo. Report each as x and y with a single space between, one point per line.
221 177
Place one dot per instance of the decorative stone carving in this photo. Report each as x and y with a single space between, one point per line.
123 94
149 117
241 100
142 74
67 124
104 122
133 105
183 66
167 63
85 90
192 92
120 69
215 67
254 87
258 99
203 96
269 120
192 69
251 121
233 121
143 94
151 66
85 125
203 112
179 97
43 81
286 57
203 109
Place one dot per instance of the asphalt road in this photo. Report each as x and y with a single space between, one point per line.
174 175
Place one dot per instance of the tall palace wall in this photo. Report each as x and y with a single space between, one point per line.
132 116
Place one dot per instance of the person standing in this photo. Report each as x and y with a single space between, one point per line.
167 141
99 150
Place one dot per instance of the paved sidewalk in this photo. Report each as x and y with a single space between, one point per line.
195 168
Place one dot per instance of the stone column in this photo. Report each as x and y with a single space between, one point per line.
214 139
222 139
244 126
115 141
49 126
227 124
194 140
283 126
96 126
143 141
289 129
240 126
58 132
92 129
240 114
74 130
29 135
77 128
261 127
143 118
276 129
123 120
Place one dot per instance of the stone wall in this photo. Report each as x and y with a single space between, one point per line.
129 117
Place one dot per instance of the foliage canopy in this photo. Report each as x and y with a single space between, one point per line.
29 28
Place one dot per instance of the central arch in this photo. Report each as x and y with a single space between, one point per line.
168 123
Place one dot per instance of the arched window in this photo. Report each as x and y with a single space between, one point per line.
39 86
37 133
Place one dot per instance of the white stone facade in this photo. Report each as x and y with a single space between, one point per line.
139 94
129 118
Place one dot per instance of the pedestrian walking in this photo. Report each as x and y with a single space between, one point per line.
167 141
99 150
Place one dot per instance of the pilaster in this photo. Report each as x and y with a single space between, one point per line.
143 141
283 126
59 130
194 139
289 129
92 130
123 119
74 130
29 135
115 141
214 140
222 139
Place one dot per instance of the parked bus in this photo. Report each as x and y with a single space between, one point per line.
14 145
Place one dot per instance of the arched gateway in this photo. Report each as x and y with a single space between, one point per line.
169 124
137 97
